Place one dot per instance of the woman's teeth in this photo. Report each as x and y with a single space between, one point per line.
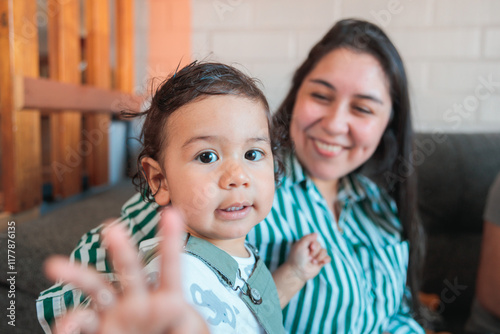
234 208
328 147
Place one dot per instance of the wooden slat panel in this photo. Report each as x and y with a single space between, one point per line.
21 146
7 121
64 60
124 45
99 75
56 96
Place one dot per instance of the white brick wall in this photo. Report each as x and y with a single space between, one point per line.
467 12
435 43
451 48
141 74
492 43
276 44
390 13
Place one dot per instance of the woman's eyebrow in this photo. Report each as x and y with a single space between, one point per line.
323 83
369 97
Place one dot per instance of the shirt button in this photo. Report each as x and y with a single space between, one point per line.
255 296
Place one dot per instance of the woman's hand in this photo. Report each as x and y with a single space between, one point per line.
135 308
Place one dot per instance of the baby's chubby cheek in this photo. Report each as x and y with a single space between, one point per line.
266 201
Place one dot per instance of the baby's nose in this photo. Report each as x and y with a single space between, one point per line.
234 176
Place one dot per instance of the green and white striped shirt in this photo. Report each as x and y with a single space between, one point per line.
361 291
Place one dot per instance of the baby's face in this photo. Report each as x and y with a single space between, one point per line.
219 167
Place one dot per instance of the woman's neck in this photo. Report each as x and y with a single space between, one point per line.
329 190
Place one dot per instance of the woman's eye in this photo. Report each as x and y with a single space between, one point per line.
207 157
254 155
319 97
363 110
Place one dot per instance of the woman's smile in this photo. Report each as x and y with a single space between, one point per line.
326 149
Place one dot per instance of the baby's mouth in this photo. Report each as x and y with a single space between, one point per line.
233 208
234 211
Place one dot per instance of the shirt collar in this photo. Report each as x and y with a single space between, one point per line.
295 173
352 187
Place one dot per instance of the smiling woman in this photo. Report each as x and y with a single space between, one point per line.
348 112
342 109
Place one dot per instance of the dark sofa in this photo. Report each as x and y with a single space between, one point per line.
455 171
453 182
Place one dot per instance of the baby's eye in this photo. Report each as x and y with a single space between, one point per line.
254 155
207 157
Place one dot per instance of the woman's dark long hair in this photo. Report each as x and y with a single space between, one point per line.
386 166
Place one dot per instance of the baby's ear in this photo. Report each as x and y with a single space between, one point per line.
156 180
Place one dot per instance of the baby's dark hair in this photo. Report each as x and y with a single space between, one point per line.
195 81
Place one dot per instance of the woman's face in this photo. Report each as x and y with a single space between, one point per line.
341 111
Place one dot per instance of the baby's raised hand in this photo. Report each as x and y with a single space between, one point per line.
136 308
307 257
304 262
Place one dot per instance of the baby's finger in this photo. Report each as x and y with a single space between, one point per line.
314 248
125 260
80 321
322 257
171 227
87 279
309 237
306 241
